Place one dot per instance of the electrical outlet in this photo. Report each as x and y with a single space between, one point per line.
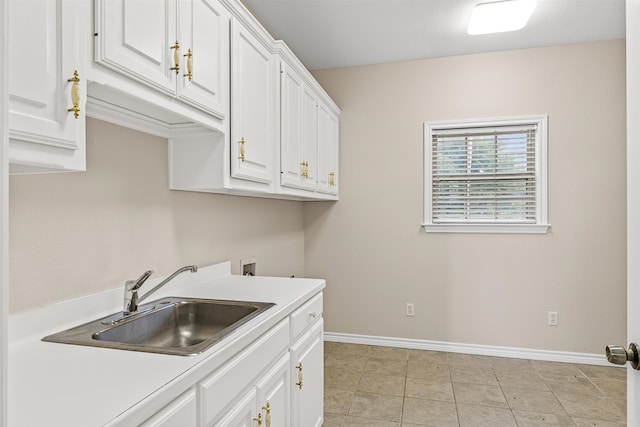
410 311
553 318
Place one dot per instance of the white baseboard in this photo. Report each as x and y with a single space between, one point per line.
484 350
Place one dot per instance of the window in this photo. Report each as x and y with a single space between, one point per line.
486 176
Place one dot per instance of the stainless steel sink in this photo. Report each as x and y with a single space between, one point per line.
181 326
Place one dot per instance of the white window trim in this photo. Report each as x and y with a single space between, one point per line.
542 222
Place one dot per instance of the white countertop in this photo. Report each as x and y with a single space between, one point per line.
53 384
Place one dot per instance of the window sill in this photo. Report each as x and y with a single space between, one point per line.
487 228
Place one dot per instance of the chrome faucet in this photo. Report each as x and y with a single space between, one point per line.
131 297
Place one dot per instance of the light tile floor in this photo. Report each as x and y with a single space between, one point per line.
384 386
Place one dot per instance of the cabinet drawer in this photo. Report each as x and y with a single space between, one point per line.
303 317
220 389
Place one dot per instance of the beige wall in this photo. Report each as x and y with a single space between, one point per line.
481 289
80 233
76 234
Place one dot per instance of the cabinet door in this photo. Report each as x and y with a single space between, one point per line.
179 413
218 390
327 150
135 38
253 107
310 138
47 46
242 414
274 389
307 367
204 45
299 132
291 125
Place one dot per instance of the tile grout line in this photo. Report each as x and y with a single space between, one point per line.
493 369
361 375
453 390
404 393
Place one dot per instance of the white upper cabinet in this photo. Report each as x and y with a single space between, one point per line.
310 138
47 85
299 131
253 107
242 114
308 133
291 150
328 137
135 38
204 41
178 47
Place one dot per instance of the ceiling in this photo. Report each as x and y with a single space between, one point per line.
339 33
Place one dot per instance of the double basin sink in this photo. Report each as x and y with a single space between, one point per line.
179 326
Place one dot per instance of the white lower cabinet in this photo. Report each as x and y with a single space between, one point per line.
307 361
276 380
266 385
274 395
179 413
242 414
222 388
267 404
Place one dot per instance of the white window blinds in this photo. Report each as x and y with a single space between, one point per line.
484 175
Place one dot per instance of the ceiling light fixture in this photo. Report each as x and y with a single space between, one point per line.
500 16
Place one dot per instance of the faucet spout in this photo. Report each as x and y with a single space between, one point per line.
131 297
